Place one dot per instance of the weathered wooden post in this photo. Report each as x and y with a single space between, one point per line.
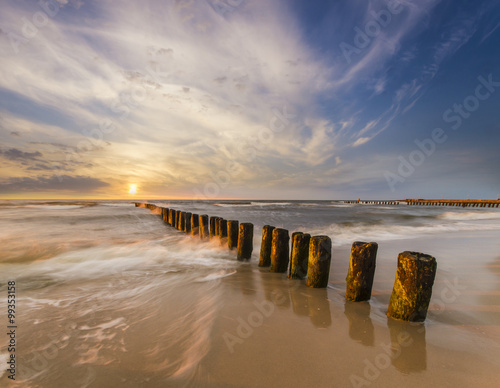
222 231
182 220
232 234
195 224
187 222
361 271
204 232
265 247
412 287
171 217
299 255
216 224
245 241
176 219
280 251
212 226
320 256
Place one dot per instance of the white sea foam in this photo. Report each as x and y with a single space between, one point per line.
180 255
342 234
471 215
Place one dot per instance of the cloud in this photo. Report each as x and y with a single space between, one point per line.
361 141
186 88
15 154
64 183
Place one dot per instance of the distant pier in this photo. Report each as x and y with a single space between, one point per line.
432 202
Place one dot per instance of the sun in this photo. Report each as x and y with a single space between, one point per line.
133 189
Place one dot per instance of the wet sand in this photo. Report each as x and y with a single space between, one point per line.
242 326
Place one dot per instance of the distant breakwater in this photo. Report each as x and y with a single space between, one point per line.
309 257
431 202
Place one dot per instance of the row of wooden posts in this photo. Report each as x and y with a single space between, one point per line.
432 202
310 258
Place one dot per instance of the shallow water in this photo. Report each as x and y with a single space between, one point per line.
108 295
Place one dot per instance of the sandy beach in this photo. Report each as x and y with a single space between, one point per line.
160 308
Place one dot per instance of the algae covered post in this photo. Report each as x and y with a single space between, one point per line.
265 247
195 222
232 234
361 271
245 241
320 256
213 220
299 255
280 250
204 233
412 290
187 222
223 231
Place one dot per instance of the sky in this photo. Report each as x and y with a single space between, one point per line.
284 99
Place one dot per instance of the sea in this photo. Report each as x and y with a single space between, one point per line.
108 295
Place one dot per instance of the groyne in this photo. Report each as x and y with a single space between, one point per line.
430 202
310 258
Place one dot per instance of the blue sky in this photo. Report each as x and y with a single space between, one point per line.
250 99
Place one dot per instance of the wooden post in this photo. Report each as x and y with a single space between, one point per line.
181 220
412 287
245 241
223 231
232 234
265 247
361 271
299 255
171 217
212 226
195 224
204 233
187 222
216 223
280 251
320 256
176 218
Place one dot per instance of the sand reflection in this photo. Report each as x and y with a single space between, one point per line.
360 324
409 350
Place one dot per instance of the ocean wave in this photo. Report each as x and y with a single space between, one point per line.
174 255
342 234
479 215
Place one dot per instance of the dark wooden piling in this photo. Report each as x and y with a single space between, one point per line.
187 222
280 251
320 257
361 271
299 255
204 227
178 214
412 287
212 226
222 229
245 241
216 224
182 221
176 219
232 234
171 217
195 224
265 247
